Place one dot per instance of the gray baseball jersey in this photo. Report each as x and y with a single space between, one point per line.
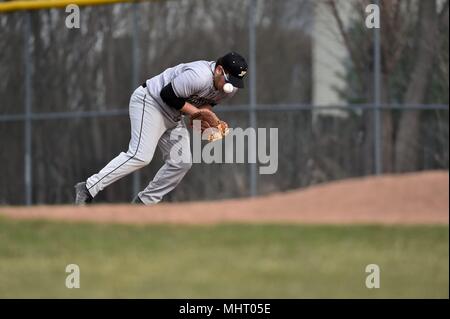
192 81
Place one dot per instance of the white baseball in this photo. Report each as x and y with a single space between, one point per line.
228 88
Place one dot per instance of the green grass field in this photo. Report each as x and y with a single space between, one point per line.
223 261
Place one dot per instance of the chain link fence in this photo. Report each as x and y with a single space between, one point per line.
64 94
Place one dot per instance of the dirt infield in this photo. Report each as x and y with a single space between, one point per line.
419 198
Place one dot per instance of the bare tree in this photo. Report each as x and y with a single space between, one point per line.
409 29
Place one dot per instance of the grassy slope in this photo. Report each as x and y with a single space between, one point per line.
236 261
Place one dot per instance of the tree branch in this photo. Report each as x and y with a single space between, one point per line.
352 51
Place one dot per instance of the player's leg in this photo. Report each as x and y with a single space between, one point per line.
175 146
147 126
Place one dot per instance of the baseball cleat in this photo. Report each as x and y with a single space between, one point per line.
82 195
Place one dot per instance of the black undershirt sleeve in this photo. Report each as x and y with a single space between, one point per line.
170 98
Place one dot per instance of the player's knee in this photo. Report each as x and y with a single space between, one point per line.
184 166
142 161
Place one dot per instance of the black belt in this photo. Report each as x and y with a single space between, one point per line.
144 85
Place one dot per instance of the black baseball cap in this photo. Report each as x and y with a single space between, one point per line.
236 66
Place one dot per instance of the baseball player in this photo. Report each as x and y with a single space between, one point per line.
156 110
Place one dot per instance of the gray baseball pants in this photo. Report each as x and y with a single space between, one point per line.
149 128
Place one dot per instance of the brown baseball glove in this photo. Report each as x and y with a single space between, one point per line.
218 129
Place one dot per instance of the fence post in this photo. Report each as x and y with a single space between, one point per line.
28 175
252 95
377 125
135 79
